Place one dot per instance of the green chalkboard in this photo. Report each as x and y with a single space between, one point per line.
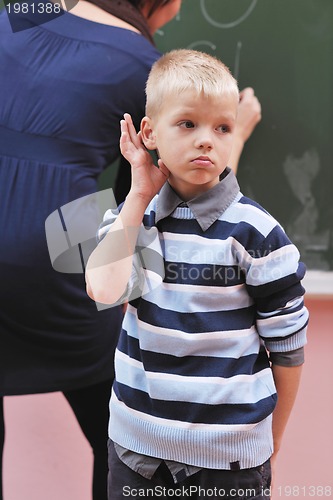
284 49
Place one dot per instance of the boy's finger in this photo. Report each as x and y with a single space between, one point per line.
124 129
123 126
124 136
131 130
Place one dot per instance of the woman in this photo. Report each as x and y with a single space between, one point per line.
68 79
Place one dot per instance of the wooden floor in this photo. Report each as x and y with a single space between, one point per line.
47 458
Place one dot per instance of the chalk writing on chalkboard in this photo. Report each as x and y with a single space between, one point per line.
301 173
201 44
230 24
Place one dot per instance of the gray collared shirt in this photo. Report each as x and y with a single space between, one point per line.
147 466
206 207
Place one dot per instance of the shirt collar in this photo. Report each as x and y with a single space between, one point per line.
206 207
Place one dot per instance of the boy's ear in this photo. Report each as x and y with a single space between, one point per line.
147 133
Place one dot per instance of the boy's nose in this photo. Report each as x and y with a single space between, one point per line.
204 142
203 137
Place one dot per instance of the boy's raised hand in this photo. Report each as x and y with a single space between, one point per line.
147 179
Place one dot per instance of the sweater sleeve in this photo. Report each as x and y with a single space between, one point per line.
148 264
273 277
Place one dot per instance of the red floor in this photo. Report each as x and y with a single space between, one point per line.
47 458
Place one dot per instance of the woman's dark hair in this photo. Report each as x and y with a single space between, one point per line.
155 4
129 11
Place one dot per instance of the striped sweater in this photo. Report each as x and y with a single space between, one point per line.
208 298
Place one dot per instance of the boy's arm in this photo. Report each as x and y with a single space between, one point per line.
287 380
248 116
110 264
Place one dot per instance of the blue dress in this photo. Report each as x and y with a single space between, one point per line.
64 86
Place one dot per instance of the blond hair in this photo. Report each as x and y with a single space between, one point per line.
182 70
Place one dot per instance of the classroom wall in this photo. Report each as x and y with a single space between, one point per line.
47 457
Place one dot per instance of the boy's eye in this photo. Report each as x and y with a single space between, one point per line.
187 124
224 129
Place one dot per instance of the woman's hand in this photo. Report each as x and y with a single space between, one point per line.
147 179
249 114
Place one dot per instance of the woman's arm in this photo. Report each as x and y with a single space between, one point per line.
249 115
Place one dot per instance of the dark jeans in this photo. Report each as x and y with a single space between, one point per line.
91 408
244 484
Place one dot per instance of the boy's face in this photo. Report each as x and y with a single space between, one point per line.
193 135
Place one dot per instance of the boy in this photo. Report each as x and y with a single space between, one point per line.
213 285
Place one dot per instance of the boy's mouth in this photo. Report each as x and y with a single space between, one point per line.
204 161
